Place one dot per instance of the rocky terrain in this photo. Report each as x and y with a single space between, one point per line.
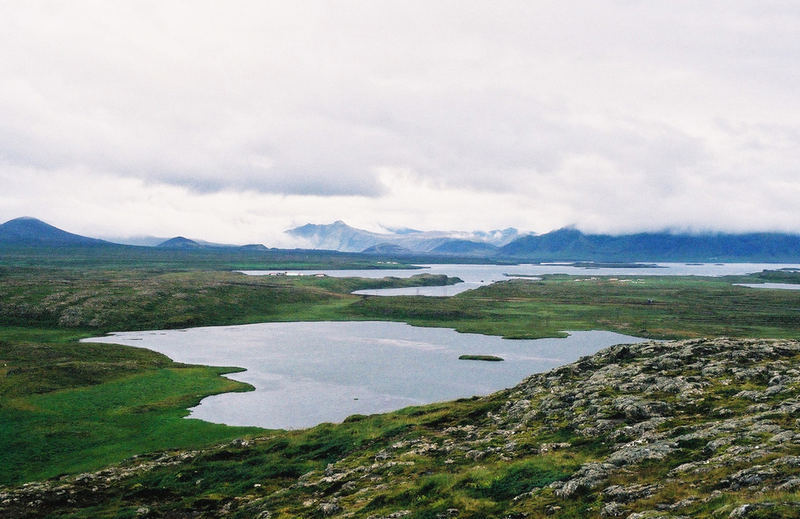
695 428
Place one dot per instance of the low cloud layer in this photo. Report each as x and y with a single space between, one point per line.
242 119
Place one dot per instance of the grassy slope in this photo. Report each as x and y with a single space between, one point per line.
478 455
70 407
48 377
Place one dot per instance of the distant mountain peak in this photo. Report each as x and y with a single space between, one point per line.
179 242
29 220
30 231
342 237
253 247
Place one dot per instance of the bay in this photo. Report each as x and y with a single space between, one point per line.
306 373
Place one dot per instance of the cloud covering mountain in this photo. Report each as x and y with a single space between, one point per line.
342 237
567 244
233 123
561 245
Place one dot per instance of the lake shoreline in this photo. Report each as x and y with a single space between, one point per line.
307 373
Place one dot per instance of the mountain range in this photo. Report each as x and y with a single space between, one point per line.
571 244
561 245
32 232
342 237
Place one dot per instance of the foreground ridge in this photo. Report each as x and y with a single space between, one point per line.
695 428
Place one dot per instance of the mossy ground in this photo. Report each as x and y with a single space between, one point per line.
67 407
479 458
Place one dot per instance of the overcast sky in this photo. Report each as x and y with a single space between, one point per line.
232 121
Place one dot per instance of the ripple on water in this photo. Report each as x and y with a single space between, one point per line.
307 373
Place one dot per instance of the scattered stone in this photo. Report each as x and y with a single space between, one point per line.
765 509
634 454
635 408
748 477
329 508
627 494
588 477
547 447
790 485
394 515
613 509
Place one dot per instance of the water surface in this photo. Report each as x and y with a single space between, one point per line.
306 373
775 286
475 276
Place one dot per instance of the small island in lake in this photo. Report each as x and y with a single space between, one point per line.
490 358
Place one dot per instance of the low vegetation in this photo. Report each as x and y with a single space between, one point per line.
69 407
489 358
658 307
154 258
699 428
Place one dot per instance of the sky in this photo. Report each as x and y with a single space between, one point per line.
233 121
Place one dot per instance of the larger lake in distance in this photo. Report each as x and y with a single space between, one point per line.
476 275
306 373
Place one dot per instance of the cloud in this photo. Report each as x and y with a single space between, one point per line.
613 115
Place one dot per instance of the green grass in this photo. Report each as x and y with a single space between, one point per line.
659 307
106 300
265 473
82 428
514 479
68 406
121 257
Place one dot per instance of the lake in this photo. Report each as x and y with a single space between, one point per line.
306 373
774 286
475 276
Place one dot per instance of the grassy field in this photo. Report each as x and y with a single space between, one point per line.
661 307
153 258
657 307
68 407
